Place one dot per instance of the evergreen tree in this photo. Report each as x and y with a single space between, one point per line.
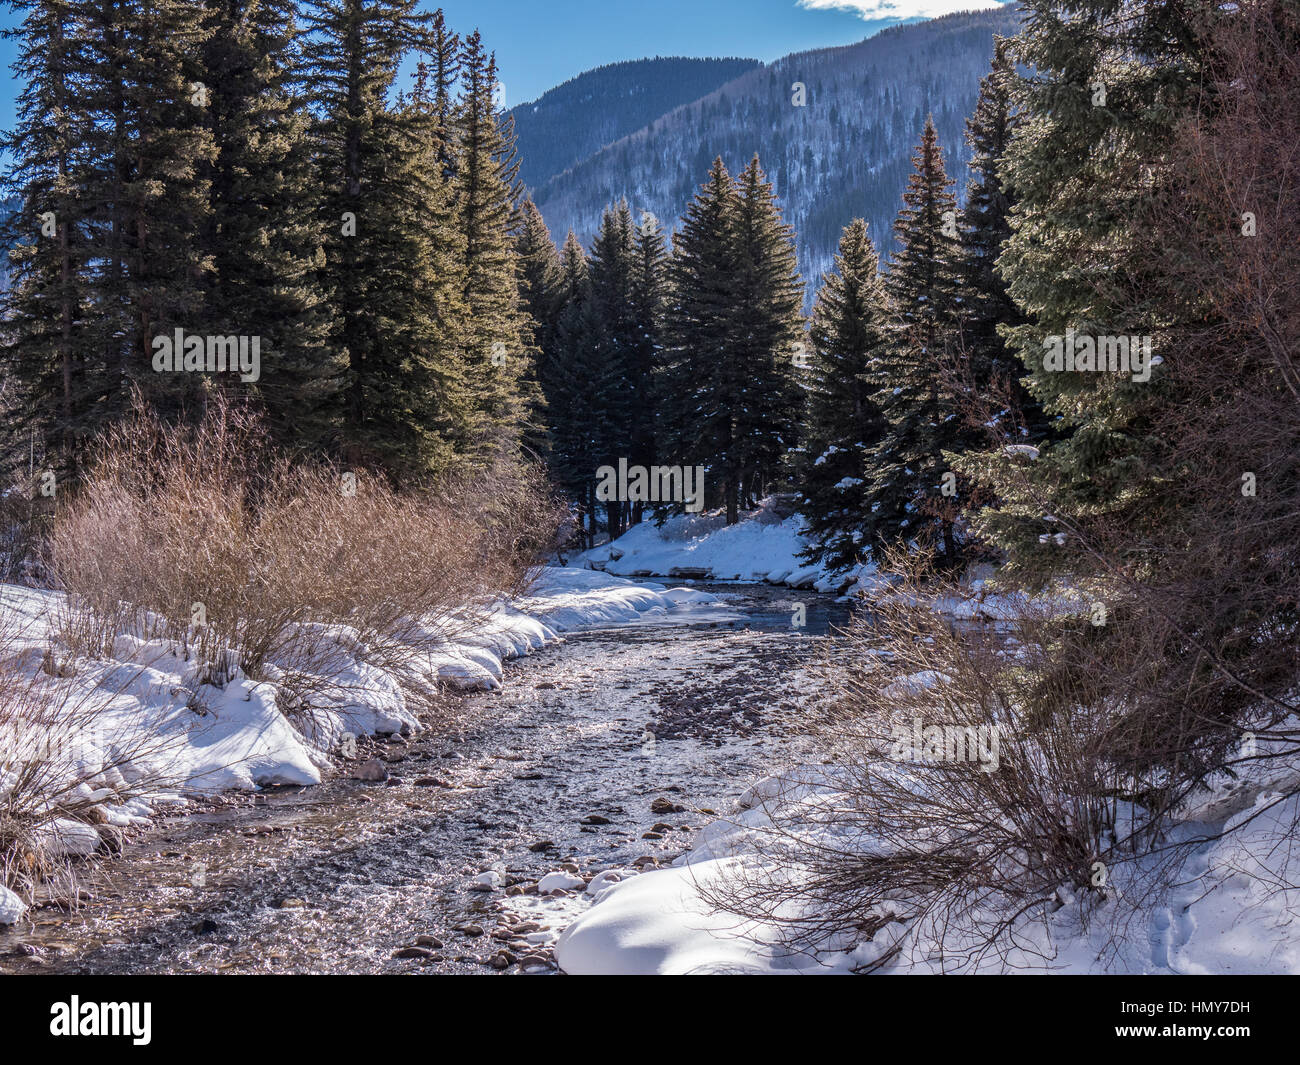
486 193
123 81
46 346
850 332
615 344
986 225
263 234
1109 82
577 381
442 67
393 266
541 296
907 466
149 192
697 425
766 323
650 258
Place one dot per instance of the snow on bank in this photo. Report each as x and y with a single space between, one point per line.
1233 910
142 720
11 907
762 547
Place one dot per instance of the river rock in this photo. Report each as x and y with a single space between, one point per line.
413 952
665 806
428 941
373 771
110 839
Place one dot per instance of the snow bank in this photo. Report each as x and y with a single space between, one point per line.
1233 910
154 724
12 907
658 924
761 547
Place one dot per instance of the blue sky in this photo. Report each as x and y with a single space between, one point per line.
541 43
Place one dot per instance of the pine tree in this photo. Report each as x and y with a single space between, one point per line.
650 259
442 67
577 379
393 264
1101 107
497 363
850 331
766 323
907 467
697 425
541 296
151 194
615 339
263 233
986 226
123 82
46 349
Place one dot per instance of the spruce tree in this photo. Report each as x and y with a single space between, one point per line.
153 193
850 332
615 339
650 258
766 323
986 225
263 234
143 197
906 495
697 425
486 188
1101 106
393 266
541 297
577 379
46 349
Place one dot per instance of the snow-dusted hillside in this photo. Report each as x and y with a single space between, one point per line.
845 154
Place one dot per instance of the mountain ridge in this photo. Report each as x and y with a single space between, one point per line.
845 154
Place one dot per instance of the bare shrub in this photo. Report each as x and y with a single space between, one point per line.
69 748
969 783
207 537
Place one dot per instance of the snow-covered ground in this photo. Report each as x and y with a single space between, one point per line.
1231 910
762 547
140 722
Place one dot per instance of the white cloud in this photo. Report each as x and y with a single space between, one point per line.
899 9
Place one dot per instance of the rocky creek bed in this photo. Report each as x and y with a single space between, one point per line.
600 756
